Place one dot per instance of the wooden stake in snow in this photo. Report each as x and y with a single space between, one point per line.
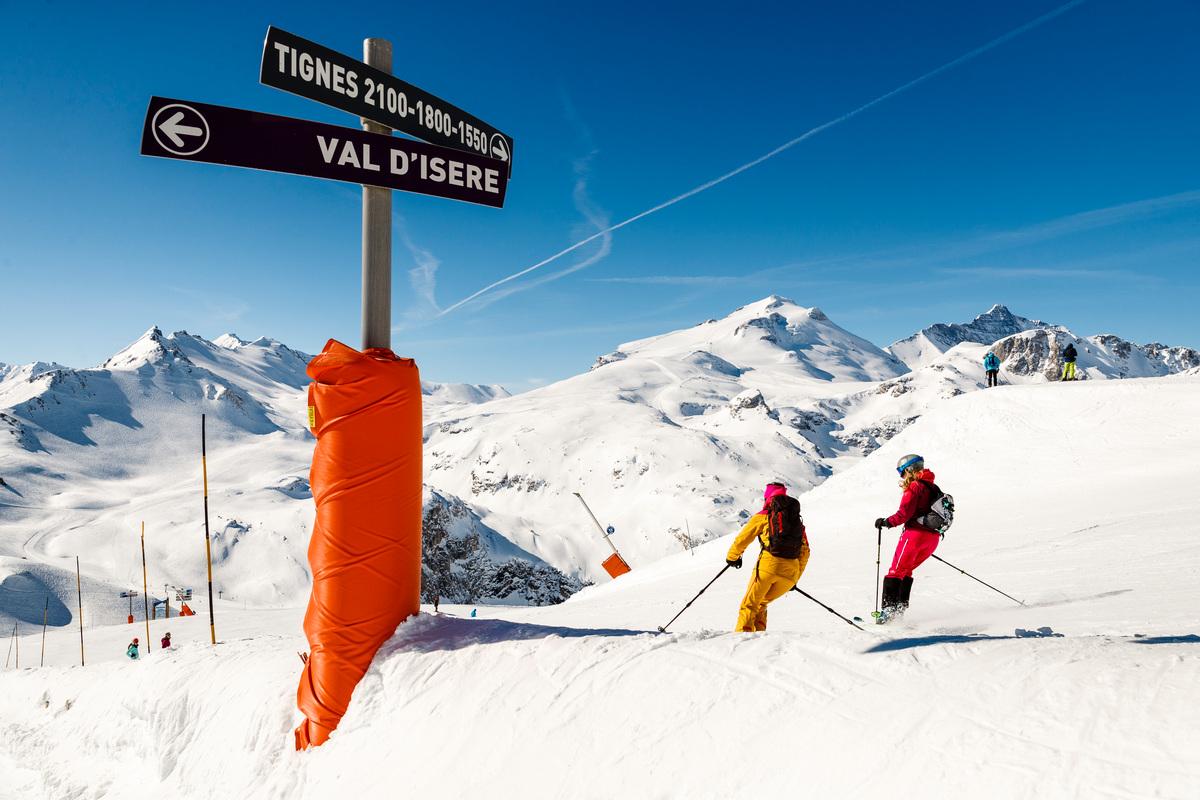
212 622
45 617
79 591
11 640
145 589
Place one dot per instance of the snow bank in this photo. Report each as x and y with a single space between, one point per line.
1076 498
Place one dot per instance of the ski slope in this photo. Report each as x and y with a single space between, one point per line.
1077 498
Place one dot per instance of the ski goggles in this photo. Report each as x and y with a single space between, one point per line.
900 469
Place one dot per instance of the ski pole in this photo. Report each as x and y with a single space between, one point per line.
985 583
822 605
878 556
663 628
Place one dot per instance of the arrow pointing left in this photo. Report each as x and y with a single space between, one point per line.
173 129
176 121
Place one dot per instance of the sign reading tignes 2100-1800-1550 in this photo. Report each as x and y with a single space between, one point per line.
311 70
190 131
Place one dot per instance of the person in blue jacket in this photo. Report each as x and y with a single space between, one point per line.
991 365
132 650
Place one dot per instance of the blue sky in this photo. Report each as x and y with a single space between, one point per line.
1057 173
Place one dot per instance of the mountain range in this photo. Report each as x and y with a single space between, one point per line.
667 438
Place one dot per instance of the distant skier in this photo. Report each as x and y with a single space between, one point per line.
1069 355
991 366
918 542
132 650
166 641
780 531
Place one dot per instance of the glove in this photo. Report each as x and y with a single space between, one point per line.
881 523
736 563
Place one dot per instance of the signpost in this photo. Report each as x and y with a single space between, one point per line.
193 131
369 91
461 158
377 228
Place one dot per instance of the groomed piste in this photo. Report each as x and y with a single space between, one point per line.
1077 498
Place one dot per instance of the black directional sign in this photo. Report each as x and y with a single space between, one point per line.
220 135
310 70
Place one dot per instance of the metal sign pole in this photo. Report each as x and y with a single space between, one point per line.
377 230
599 527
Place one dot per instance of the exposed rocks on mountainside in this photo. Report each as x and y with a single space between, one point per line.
459 566
927 344
1035 353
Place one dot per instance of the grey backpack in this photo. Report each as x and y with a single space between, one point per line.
940 515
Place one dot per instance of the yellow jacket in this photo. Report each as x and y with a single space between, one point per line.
759 528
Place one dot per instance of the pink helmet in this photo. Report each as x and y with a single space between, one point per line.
773 489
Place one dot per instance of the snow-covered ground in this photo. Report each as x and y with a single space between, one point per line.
1077 498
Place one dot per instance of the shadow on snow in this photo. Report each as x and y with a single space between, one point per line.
429 633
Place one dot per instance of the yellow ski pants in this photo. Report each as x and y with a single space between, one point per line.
1068 371
773 578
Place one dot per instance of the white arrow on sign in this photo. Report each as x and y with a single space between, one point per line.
171 126
173 129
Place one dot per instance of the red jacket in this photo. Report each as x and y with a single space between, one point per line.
916 501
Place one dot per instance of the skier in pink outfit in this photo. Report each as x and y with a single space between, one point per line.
918 542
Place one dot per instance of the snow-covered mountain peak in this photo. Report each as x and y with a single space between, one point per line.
1000 319
230 341
768 334
463 393
151 348
926 345
27 372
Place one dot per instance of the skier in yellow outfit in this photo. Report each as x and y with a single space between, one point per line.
780 531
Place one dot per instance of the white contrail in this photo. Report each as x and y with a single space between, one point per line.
999 40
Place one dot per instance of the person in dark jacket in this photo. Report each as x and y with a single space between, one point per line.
1069 355
917 543
166 641
991 366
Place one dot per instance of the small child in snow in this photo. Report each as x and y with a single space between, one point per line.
132 650
166 641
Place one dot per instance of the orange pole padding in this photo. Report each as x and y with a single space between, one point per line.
615 566
365 553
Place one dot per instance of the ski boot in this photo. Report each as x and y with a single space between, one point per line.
890 601
902 599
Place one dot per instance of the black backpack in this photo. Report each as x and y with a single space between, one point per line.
786 536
